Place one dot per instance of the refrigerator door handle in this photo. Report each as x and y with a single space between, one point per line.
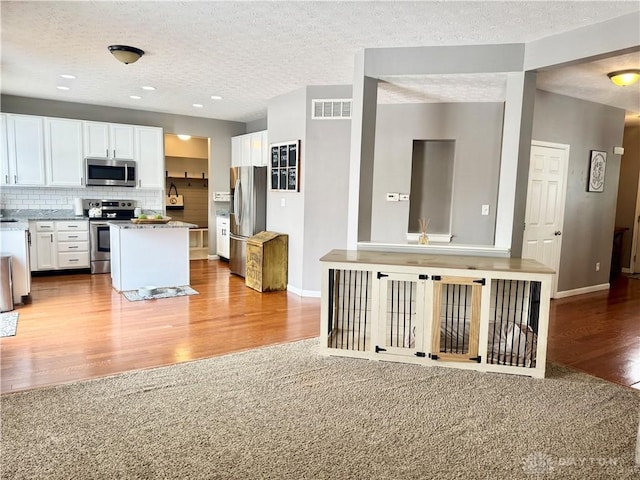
237 200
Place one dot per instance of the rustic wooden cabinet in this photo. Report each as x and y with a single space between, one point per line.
267 262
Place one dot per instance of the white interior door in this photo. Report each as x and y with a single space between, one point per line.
545 205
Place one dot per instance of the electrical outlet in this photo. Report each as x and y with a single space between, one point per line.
404 197
597 266
393 197
485 209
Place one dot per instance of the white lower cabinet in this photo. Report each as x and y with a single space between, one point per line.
72 239
222 237
59 244
43 246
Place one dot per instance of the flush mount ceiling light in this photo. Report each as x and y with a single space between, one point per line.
624 78
184 137
125 53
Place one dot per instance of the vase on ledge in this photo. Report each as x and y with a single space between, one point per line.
423 239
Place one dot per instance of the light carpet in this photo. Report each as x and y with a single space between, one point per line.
165 292
8 323
286 412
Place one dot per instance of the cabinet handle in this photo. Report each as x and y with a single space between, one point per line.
107 153
15 179
72 246
73 236
6 178
72 226
51 238
114 153
74 260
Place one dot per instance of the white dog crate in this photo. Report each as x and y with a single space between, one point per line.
487 314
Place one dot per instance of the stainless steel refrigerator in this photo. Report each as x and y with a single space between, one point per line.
248 214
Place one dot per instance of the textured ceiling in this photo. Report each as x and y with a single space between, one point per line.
249 52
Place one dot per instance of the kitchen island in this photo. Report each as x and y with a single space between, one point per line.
149 254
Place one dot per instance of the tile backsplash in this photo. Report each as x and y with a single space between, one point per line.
43 198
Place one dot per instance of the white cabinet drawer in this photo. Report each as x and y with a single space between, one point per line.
73 236
73 246
72 225
73 260
44 226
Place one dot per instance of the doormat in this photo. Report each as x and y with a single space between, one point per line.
168 292
8 324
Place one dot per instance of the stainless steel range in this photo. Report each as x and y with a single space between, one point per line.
100 212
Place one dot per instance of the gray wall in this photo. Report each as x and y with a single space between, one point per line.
628 189
219 131
257 125
286 122
326 174
587 233
316 217
477 130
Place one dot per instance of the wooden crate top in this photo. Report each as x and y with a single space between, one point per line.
264 237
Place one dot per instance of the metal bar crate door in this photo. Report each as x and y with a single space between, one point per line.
349 326
401 312
513 323
456 318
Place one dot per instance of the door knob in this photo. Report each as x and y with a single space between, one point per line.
557 233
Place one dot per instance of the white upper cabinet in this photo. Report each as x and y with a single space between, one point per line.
149 157
251 149
25 135
64 152
4 154
96 140
236 151
108 140
122 141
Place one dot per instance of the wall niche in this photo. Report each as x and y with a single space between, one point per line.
432 185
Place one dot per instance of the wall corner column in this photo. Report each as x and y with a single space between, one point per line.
363 127
514 161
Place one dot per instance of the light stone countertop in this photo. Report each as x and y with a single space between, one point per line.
129 225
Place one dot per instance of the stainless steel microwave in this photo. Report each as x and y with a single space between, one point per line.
110 173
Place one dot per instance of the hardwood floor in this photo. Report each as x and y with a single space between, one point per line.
77 327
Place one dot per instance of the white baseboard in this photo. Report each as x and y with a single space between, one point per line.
583 290
303 293
213 257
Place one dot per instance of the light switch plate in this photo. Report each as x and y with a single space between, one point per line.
404 197
485 209
393 197
283 202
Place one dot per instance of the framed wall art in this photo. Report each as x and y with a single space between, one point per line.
597 167
285 166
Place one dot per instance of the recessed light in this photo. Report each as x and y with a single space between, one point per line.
66 75
198 105
148 88
135 97
216 97
62 87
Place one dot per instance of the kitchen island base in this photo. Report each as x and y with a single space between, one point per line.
149 255
478 313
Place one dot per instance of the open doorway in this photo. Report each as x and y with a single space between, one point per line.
187 187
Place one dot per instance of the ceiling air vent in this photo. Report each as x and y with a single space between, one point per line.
331 108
